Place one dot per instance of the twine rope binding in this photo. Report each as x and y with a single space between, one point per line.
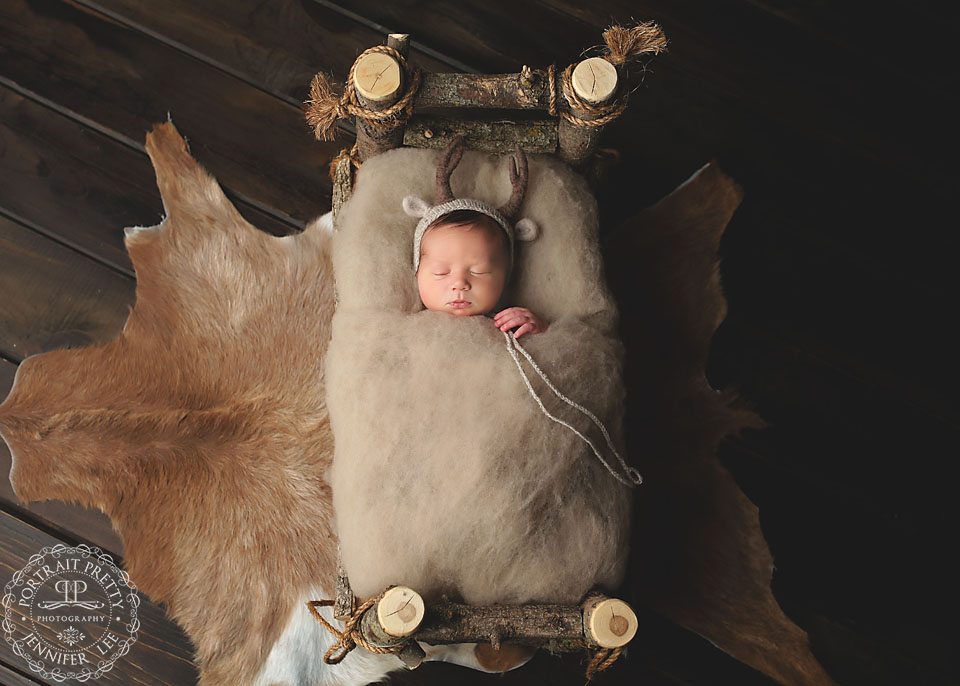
622 44
350 637
324 108
602 658
352 154
633 477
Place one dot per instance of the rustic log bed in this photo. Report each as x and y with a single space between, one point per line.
380 81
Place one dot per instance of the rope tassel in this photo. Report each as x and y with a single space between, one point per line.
324 108
624 44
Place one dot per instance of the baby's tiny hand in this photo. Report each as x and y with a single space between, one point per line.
519 316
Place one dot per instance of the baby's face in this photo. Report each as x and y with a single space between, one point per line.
461 271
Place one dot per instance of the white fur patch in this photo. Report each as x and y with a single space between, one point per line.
296 659
326 223
136 232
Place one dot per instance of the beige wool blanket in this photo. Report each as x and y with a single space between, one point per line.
447 475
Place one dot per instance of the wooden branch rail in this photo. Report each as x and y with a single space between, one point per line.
528 90
497 136
379 82
401 618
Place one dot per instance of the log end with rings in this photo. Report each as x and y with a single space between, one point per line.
400 611
608 622
377 78
595 80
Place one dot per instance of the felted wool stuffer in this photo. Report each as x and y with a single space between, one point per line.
447 475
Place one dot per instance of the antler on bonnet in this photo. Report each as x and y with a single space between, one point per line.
446 202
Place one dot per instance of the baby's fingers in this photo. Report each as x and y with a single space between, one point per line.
513 319
523 329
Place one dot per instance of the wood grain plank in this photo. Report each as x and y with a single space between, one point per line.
52 291
80 186
9 677
162 653
55 295
277 46
93 68
8 370
829 311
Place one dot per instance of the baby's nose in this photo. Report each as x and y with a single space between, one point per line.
461 284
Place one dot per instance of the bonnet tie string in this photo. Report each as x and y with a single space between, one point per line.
633 477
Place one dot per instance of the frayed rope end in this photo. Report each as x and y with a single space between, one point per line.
323 108
626 43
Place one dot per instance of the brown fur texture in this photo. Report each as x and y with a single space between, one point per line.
447 477
208 461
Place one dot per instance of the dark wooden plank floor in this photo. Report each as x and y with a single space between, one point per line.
838 268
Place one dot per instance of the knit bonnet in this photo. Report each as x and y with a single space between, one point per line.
445 203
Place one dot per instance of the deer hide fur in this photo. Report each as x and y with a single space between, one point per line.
202 432
698 555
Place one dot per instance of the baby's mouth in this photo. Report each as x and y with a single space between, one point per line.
459 303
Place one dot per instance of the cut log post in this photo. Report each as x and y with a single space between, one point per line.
595 82
393 618
379 81
598 168
608 622
342 190
400 611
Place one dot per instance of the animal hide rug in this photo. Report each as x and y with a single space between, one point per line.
202 429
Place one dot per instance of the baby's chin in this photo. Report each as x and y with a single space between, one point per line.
459 311
464 311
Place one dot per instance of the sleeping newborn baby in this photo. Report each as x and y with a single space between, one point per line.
464 263
461 469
